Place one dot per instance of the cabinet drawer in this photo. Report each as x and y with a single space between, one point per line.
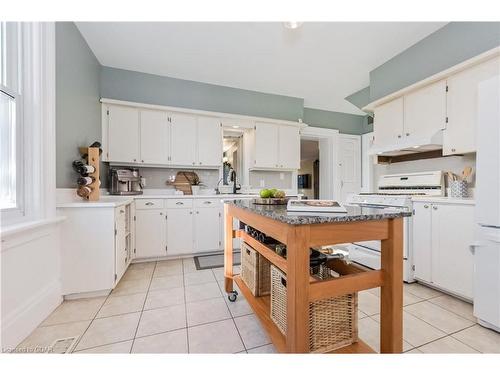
148 204
211 202
179 203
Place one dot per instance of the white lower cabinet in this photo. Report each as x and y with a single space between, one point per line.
98 247
179 231
151 232
442 234
207 222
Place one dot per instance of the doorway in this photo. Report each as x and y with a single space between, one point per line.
308 174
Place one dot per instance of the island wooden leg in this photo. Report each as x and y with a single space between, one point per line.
297 289
391 299
228 250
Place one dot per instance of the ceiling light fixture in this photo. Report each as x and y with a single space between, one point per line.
292 24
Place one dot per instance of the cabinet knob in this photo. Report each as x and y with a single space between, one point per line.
142 161
149 203
434 207
179 203
161 213
407 134
200 162
426 206
399 135
135 159
190 212
197 212
193 163
453 150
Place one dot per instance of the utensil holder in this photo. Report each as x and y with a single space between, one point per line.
459 189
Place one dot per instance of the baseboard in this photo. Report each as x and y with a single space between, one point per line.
22 321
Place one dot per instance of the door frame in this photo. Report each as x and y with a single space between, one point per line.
329 181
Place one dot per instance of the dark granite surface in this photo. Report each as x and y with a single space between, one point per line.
354 213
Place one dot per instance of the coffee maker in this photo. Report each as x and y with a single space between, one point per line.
125 181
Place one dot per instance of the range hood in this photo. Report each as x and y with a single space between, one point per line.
410 145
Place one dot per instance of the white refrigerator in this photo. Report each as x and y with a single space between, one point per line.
487 216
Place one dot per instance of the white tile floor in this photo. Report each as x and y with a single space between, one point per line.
170 307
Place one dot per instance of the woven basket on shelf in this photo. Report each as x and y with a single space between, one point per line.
255 271
333 322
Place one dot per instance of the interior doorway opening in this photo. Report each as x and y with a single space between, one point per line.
308 174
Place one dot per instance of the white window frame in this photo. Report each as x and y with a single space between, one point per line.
11 85
36 151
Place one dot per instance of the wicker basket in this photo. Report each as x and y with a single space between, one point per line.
255 271
333 322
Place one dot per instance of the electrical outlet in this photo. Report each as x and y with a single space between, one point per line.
262 183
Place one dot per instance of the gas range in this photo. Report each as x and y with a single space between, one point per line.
395 192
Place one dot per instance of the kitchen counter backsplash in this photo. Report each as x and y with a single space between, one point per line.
156 177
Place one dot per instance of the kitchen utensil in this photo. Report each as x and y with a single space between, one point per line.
459 189
466 173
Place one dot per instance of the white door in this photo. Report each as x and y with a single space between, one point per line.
425 111
179 231
207 229
289 147
155 137
422 242
209 141
150 229
388 123
183 135
460 134
367 163
266 145
452 260
349 165
123 134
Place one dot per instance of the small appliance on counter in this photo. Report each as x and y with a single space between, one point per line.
125 181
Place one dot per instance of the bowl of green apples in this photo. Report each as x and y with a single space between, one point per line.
271 196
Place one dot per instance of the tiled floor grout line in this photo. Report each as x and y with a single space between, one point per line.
185 306
91 321
142 310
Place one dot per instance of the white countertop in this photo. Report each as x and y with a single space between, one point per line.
450 200
105 201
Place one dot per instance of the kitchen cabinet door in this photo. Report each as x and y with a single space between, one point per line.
123 134
209 141
183 144
349 165
388 123
289 147
422 241
150 238
207 229
452 260
459 137
121 249
266 145
425 111
155 137
180 231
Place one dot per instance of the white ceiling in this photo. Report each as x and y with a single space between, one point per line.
320 62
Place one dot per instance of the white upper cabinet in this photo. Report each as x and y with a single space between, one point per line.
183 135
388 123
209 141
289 147
460 134
155 137
122 134
425 111
276 146
266 145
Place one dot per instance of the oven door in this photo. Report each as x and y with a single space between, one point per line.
368 249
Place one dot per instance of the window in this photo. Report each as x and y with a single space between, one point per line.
11 186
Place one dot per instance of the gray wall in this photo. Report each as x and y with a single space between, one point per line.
344 122
360 98
448 46
153 89
78 111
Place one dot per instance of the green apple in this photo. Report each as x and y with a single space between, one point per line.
265 193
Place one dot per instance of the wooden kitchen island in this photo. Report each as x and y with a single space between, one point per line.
301 232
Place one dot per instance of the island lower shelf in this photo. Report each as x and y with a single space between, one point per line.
261 307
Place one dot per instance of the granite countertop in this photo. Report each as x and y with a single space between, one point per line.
354 213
